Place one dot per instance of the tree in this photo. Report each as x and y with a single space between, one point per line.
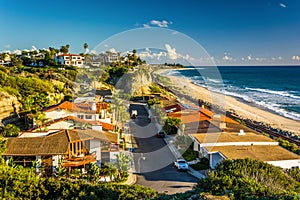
111 170
171 125
2 148
11 130
64 49
93 172
85 46
39 118
249 179
123 165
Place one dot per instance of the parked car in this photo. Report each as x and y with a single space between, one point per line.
160 134
181 165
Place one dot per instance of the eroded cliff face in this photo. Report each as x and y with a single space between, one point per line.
8 105
135 83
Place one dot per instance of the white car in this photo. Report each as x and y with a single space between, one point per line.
181 165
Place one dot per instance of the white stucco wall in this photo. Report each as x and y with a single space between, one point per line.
57 114
62 125
95 147
286 164
221 144
97 127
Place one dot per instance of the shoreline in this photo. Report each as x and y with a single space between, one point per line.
229 103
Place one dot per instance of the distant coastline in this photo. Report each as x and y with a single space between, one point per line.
241 107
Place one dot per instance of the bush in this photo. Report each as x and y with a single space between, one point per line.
11 130
171 125
23 183
247 178
154 88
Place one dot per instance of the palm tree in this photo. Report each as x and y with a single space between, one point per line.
85 46
123 164
111 170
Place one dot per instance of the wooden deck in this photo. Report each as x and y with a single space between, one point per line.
79 161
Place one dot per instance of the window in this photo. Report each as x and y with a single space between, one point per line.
79 62
67 58
80 116
88 117
67 62
78 57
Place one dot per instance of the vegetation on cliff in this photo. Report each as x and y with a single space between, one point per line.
251 179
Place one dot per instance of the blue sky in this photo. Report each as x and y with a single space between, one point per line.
233 32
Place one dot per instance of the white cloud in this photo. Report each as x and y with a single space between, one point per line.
7 46
17 51
157 23
33 48
162 23
148 54
227 57
249 57
282 5
106 45
93 52
171 52
113 50
295 57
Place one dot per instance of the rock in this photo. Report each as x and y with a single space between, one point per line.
9 105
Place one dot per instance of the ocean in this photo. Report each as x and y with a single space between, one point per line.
273 88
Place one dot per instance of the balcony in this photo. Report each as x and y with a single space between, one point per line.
79 160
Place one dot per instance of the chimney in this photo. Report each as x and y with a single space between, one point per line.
222 125
94 107
241 132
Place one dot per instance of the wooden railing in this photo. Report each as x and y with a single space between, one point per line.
78 161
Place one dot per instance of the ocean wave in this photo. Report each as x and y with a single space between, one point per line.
171 73
281 111
281 93
272 106
208 80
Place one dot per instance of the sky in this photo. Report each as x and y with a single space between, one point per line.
232 32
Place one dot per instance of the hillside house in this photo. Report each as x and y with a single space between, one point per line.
71 148
239 145
69 59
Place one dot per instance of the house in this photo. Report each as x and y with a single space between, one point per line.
110 57
69 59
203 121
239 145
87 111
70 148
71 122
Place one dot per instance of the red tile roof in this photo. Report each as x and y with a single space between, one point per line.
80 107
189 116
66 54
105 126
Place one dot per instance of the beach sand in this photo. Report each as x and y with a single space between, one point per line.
243 109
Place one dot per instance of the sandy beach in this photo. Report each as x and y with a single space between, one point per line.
230 103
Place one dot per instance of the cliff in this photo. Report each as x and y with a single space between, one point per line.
135 83
8 105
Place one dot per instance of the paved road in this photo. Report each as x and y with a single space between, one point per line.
154 160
